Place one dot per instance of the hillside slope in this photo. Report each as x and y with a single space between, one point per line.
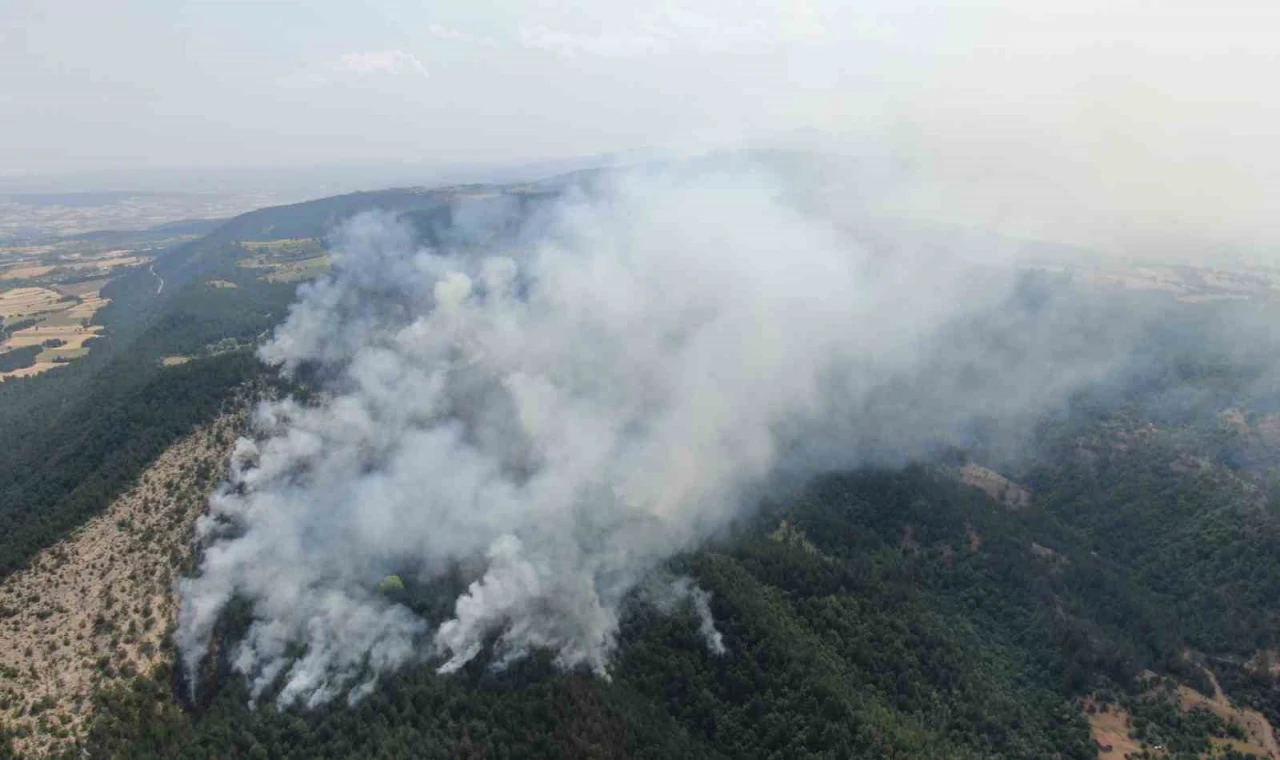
977 605
97 607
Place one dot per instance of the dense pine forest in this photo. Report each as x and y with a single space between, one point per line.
892 613
878 614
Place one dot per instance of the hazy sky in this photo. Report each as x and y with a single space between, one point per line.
1152 112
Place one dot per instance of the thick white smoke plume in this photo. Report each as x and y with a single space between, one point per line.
561 416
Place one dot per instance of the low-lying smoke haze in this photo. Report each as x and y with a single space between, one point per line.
583 299
557 413
1136 127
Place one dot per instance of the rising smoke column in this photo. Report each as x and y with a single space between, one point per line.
565 415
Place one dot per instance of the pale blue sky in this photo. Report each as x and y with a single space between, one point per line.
94 83
1153 111
91 83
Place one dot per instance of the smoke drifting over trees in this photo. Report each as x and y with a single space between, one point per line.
560 413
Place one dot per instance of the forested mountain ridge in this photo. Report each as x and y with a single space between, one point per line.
96 608
72 439
875 613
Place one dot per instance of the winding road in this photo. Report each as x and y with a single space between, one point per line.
152 270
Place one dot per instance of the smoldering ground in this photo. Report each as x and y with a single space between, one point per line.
565 409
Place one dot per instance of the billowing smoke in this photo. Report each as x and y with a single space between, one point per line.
556 416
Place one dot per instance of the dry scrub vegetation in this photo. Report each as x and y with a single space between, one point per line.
998 487
1111 725
1259 738
98 607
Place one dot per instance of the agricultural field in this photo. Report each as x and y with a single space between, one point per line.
50 291
33 263
69 261
40 215
292 260
54 320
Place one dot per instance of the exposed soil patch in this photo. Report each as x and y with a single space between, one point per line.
1109 728
997 486
1261 738
974 537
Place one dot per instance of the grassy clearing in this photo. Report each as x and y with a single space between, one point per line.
288 271
1109 727
1260 738
299 271
292 260
286 245
1119 735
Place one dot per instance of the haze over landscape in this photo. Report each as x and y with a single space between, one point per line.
1117 124
639 379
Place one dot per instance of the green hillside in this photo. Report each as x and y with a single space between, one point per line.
70 440
889 613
